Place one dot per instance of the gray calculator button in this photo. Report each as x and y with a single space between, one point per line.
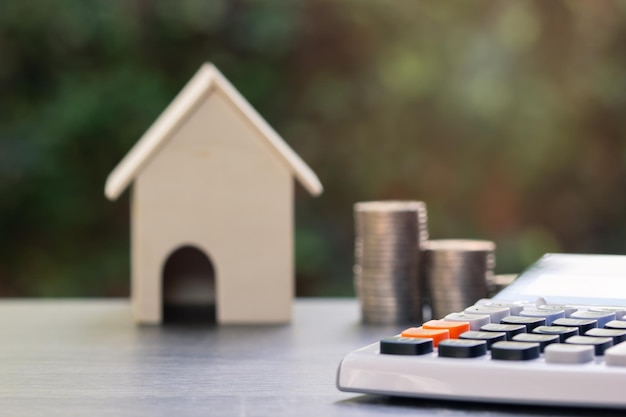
619 311
603 317
569 310
476 321
549 315
495 313
514 308
565 353
616 355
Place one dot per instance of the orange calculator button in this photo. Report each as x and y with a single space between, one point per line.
455 327
437 335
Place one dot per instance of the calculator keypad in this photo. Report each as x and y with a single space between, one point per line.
558 334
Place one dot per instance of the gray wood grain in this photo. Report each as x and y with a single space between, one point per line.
86 357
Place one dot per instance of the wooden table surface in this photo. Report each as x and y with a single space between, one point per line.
86 357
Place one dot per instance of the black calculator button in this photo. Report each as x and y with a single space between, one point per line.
618 336
600 344
563 332
529 322
489 337
509 330
515 351
582 324
542 339
406 346
462 348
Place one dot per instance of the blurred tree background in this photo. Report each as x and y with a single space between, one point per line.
506 117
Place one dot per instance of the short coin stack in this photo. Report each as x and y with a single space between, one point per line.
500 282
387 242
457 273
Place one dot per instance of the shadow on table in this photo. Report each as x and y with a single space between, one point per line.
189 314
414 406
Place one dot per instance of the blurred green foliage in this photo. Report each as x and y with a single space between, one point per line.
505 117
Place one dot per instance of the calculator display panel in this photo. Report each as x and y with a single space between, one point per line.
569 278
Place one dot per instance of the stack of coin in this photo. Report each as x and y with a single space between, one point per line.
387 242
500 282
457 273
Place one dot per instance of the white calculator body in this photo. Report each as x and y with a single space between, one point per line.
556 336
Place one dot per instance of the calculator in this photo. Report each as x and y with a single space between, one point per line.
555 336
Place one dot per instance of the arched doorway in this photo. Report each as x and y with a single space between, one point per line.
188 287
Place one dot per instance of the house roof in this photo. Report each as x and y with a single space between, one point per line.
207 80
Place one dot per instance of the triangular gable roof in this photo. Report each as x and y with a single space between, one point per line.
206 80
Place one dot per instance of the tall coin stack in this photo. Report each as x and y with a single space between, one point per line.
457 273
387 249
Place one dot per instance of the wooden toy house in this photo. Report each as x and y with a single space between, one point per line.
212 208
